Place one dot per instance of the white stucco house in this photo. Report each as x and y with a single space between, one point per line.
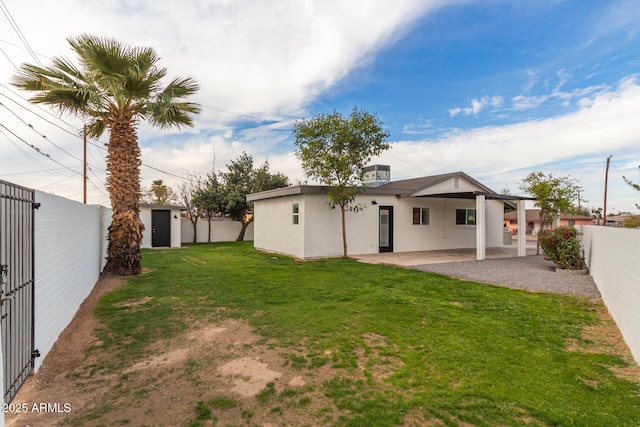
447 211
162 228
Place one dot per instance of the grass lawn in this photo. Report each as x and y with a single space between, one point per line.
452 352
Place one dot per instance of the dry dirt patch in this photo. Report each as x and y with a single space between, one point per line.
605 337
224 360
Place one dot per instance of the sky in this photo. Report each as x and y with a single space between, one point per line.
495 88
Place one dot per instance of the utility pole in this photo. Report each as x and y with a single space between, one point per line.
84 167
606 183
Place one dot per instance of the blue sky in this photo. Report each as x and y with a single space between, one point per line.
495 88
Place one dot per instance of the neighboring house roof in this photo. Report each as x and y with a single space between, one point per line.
533 215
400 188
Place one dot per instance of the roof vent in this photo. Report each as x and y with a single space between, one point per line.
375 175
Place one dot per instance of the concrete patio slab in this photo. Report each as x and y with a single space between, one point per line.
409 259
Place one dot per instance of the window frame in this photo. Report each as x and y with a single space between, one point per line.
420 211
295 212
466 217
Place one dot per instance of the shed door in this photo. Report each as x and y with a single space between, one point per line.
160 229
386 228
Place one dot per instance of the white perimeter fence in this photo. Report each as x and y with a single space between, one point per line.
70 251
613 258
221 231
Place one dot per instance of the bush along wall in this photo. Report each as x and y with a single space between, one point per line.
562 246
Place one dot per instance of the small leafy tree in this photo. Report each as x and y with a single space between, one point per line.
208 199
334 150
554 195
186 192
240 180
562 246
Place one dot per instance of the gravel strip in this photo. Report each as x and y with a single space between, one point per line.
532 273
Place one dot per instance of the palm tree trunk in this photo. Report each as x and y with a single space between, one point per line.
123 184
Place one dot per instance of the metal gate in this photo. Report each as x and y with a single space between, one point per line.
16 305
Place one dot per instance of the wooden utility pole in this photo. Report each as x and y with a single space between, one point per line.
606 183
84 167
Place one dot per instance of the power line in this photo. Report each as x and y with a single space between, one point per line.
30 126
30 172
40 108
232 113
38 150
8 59
16 28
78 136
182 178
24 152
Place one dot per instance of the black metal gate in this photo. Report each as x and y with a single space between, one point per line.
16 306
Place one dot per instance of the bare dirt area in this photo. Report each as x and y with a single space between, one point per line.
238 376
215 374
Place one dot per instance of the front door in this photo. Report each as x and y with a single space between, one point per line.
386 228
160 229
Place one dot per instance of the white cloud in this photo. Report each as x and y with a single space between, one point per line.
497 154
266 60
478 105
582 96
250 57
420 126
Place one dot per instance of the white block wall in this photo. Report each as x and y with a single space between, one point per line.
221 231
70 250
612 255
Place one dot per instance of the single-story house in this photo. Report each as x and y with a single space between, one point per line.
447 211
161 225
534 224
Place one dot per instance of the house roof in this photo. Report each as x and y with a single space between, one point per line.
400 188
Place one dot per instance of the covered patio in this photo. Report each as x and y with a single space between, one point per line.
481 251
411 259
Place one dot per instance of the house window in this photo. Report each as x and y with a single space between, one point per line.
421 216
572 222
465 217
296 214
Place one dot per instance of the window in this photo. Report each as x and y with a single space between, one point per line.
421 216
296 214
465 217
572 222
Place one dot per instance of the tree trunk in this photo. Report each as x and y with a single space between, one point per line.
123 184
209 218
344 233
243 229
194 220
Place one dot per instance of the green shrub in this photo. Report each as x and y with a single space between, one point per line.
632 221
562 246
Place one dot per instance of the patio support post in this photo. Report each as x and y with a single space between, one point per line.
481 228
522 229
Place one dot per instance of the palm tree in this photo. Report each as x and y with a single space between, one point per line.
114 88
